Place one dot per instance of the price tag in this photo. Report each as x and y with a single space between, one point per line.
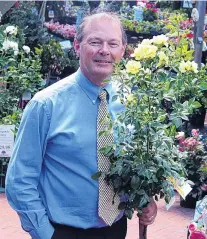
51 14
6 140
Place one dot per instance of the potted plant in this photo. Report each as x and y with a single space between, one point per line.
194 164
145 161
53 61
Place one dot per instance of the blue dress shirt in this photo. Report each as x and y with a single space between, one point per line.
55 154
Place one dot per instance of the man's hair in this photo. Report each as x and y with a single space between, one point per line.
102 13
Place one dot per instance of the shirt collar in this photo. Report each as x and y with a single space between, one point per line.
92 90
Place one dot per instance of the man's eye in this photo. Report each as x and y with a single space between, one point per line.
95 43
114 45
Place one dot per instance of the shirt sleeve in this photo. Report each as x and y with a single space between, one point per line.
24 171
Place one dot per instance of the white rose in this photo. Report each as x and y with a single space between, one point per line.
16 53
26 49
10 44
11 30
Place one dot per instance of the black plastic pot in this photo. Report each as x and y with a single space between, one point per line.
189 202
197 119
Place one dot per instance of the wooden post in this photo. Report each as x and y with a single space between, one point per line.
198 31
142 231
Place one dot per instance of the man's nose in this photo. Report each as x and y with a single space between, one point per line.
104 50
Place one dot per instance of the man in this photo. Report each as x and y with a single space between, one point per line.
49 177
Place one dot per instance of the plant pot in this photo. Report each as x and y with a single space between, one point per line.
189 202
197 119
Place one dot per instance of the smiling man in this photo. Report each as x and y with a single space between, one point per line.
57 146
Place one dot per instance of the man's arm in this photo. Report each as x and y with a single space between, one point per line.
24 171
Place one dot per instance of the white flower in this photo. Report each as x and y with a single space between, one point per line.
180 135
10 44
11 30
26 49
16 52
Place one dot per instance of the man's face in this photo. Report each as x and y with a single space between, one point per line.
100 48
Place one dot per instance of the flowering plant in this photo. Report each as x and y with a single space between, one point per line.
144 155
195 162
65 30
19 70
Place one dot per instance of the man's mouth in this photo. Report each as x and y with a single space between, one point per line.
103 61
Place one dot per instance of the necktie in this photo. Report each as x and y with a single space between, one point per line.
108 204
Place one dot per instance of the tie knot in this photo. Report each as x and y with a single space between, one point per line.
102 95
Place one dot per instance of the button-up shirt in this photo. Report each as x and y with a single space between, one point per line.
55 154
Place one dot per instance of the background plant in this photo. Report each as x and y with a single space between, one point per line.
26 17
53 59
195 162
19 72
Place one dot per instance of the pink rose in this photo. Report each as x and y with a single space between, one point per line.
195 132
192 226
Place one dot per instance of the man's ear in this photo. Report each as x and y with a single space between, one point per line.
76 46
123 49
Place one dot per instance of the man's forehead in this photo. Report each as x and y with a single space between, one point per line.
93 21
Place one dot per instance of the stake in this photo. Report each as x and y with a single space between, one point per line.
142 231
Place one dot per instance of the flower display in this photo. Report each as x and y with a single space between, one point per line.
65 30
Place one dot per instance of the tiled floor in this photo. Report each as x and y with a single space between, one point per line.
168 225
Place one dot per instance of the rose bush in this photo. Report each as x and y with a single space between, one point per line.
144 156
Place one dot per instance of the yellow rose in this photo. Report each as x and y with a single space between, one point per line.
146 42
131 99
160 40
145 52
182 68
133 67
194 67
163 59
188 66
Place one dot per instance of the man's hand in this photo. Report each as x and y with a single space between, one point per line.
149 214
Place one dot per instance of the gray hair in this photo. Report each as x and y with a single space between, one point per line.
103 13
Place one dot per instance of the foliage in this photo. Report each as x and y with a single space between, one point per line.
149 15
19 70
53 59
144 156
144 27
195 162
25 16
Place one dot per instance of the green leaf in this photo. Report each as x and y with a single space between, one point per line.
129 213
160 172
135 182
177 122
203 86
96 175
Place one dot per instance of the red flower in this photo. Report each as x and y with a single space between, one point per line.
148 5
190 35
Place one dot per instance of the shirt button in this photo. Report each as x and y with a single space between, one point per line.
94 101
